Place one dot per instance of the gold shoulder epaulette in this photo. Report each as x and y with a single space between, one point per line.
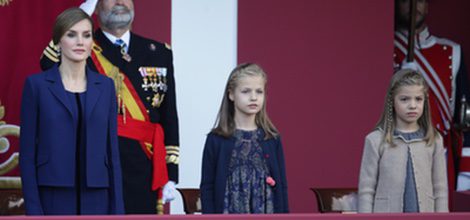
51 52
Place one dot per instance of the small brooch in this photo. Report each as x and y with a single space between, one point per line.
270 181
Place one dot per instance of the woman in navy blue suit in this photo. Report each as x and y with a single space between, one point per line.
69 157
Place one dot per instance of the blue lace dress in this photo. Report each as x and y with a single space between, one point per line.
246 190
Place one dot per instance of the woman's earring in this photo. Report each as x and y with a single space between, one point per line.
58 52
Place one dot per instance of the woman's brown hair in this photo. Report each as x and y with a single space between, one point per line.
66 20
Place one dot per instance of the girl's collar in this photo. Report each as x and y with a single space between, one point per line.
415 136
259 132
409 136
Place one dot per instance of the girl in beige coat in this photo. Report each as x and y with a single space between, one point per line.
403 164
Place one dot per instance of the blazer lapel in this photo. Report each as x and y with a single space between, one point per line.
93 91
57 88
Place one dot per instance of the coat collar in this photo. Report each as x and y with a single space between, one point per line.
126 37
109 50
57 88
93 90
423 40
399 137
113 53
411 137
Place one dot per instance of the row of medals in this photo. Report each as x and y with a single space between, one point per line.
153 78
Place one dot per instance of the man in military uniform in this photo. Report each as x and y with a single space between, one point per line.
441 63
142 70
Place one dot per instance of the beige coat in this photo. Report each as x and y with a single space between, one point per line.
383 172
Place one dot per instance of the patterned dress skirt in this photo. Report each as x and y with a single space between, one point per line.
246 190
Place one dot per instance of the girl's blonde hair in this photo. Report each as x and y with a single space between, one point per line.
387 123
225 123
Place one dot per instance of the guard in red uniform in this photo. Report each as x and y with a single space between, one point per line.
440 61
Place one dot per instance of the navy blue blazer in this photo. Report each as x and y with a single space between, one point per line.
48 138
215 162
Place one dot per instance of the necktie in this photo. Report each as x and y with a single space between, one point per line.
120 43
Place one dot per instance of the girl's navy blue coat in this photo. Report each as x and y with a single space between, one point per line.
215 162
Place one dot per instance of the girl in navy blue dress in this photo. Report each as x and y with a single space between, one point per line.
243 163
